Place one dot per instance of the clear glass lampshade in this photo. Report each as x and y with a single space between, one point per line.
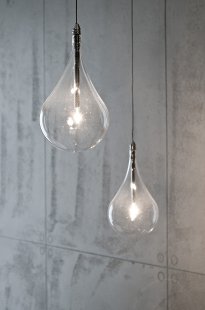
133 210
74 117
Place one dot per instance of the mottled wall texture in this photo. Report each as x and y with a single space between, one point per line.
57 250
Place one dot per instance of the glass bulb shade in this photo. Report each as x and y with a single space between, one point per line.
133 210
70 126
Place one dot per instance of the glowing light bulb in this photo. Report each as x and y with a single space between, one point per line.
74 90
74 117
133 186
133 210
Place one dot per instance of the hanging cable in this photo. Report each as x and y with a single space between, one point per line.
132 70
76 11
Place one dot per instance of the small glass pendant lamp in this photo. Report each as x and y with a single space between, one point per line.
133 210
74 117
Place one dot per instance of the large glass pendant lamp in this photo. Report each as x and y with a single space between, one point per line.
133 210
74 117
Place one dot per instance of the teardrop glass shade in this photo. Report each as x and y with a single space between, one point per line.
74 128
133 210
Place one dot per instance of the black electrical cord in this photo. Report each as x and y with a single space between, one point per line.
132 60
76 11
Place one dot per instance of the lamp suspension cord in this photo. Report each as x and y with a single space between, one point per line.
132 70
76 45
76 11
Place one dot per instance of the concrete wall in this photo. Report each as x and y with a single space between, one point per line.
57 250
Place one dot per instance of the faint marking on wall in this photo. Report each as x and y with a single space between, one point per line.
3 160
36 81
